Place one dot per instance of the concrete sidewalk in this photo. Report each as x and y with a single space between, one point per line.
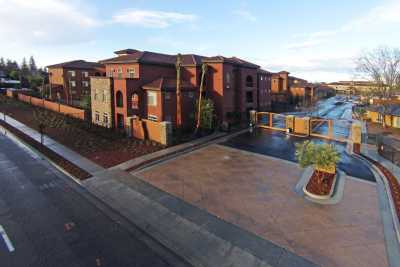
60 149
199 237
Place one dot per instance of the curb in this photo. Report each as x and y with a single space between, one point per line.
41 155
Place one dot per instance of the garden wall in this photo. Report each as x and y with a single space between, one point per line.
53 106
159 132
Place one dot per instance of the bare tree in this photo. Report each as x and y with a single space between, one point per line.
382 67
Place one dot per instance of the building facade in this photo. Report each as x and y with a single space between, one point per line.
102 101
70 81
143 84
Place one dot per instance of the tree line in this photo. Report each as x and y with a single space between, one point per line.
26 72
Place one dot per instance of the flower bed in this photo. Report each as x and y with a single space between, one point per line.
393 184
321 188
57 159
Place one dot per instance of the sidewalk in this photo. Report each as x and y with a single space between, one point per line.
389 215
65 152
199 237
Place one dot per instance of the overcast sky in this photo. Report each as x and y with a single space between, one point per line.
314 39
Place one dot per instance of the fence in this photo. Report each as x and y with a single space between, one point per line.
159 132
389 148
53 106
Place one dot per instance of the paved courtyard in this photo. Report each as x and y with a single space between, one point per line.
256 192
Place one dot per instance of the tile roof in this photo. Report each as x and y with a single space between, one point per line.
232 60
77 64
167 84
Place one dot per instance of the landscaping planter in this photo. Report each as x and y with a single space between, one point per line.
320 190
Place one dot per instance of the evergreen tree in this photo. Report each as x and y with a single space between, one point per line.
24 68
2 64
32 66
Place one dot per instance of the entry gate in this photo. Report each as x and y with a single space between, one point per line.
271 120
337 130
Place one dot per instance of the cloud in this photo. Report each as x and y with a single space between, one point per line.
245 15
322 68
374 19
151 19
44 21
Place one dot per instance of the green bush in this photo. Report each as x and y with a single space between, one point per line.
322 156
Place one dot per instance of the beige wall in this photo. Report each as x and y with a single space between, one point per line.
102 101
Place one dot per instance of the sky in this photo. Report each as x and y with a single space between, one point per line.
313 39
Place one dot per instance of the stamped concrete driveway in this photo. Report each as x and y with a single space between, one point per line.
256 192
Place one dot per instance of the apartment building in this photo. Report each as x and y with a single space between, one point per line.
70 81
143 84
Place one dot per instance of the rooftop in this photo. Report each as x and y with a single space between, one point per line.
77 64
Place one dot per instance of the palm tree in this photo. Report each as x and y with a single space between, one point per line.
178 91
203 75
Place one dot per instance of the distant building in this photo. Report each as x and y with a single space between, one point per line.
70 81
352 87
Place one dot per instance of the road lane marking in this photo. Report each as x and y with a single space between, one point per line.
6 239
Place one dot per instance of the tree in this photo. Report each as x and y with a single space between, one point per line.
323 156
203 75
32 66
207 114
178 91
382 67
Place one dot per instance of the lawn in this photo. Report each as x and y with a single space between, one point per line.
104 147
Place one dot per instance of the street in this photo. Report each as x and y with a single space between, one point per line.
46 219
280 145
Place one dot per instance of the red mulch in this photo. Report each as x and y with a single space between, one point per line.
323 188
393 183
107 150
60 161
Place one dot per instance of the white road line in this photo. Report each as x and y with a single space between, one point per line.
6 239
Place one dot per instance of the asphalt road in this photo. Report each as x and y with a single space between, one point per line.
281 145
48 220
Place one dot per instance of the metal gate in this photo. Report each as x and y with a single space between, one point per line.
338 130
271 120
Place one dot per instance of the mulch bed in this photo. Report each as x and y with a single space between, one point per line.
56 158
103 147
393 183
320 189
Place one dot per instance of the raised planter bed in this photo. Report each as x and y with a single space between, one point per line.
393 184
320 190
66 165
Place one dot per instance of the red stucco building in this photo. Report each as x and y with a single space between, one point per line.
144 85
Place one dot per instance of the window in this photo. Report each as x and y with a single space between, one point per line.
249 81
85 74
190 94
72 84
131 73
152 117
135 101
105 118
119 72
111 72
249 97
120 99
96 95
105 96
152 98
71 73
228 77
97 116
167 96
85 83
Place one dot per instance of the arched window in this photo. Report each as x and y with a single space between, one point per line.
135 101
120 99
249 81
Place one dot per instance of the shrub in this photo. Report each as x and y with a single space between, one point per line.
323 156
